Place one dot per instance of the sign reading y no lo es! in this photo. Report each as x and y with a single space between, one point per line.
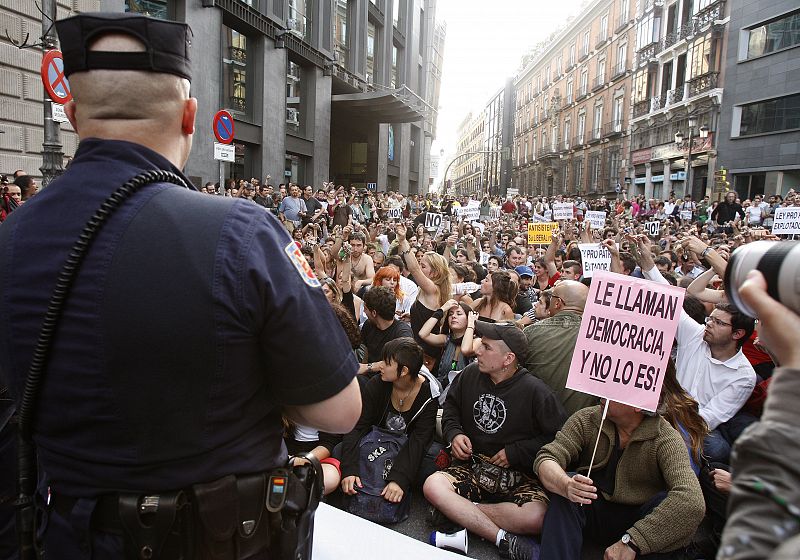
625 338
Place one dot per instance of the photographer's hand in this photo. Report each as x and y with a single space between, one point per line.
778 325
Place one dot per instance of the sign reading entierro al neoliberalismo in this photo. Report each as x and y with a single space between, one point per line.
625 339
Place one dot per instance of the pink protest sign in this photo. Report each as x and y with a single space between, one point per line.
625 338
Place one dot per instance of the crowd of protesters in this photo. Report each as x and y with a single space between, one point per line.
465 332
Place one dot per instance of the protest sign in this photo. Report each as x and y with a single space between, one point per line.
541 232
432 220
469 213
686 215
652 228
596 218
625 338
494 213
563 211
787 221
394 213
594 256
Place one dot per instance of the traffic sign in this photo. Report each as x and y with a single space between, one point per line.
223 127
55 82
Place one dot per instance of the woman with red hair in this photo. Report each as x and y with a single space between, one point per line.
389 277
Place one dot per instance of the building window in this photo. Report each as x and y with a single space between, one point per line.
622 58
397 7
581 128
559 65
153 8
773 36
601 70
598 121
584 82
370 52
570 91
395 77
585 46
547 75
567 133
773 115
619 108
604 27
341 43
701 56
577 174
299 21
294 98
572 58
614 164
235 65
594 172
648 31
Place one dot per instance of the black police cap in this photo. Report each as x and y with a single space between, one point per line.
166 44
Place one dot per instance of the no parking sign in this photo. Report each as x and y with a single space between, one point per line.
223 127
55 82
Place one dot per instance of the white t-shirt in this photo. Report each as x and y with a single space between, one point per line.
754 214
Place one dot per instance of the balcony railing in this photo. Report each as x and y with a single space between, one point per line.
584 54
238 55
598 82
675 95
238 103
710 14
578 141
641 108
595 134
703 83
622 21
612 129
601 39
548 151
646 53
619 70
582 92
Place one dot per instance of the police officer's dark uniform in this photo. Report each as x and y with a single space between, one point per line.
182 335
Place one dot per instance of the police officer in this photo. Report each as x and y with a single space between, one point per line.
181 340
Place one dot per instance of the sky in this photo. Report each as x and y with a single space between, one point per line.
483 48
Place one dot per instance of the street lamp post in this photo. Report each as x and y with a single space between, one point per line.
703 133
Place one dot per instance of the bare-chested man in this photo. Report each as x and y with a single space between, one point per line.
362 265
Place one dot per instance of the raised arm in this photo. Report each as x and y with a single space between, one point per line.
550 255
699 289
425 284
425 333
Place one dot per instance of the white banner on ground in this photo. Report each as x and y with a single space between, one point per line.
563 211
597 218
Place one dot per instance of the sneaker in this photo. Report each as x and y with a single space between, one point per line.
517 547
441 523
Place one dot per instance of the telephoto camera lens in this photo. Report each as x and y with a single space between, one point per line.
778 261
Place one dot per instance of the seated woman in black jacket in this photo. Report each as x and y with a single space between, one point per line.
402 398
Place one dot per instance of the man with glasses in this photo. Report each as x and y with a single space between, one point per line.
711 366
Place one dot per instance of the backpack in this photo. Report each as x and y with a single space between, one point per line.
377 452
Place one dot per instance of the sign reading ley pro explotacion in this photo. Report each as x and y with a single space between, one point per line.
625 338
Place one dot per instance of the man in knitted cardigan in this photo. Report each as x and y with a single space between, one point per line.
643 497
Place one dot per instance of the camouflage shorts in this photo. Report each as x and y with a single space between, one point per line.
465 481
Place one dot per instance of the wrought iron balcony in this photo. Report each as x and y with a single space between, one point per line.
238 103
703 83
238 55
598 82
578 141
619 70
582 92
601 39
710 14
613 128
646 53
595 134
675 95
622 22
641 108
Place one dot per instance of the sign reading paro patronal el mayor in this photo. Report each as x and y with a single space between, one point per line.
625 339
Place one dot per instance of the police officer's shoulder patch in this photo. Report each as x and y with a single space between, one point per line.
301 264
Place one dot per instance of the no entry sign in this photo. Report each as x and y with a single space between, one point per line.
53 78
223 127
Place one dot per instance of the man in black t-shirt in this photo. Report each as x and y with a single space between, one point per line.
382 326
